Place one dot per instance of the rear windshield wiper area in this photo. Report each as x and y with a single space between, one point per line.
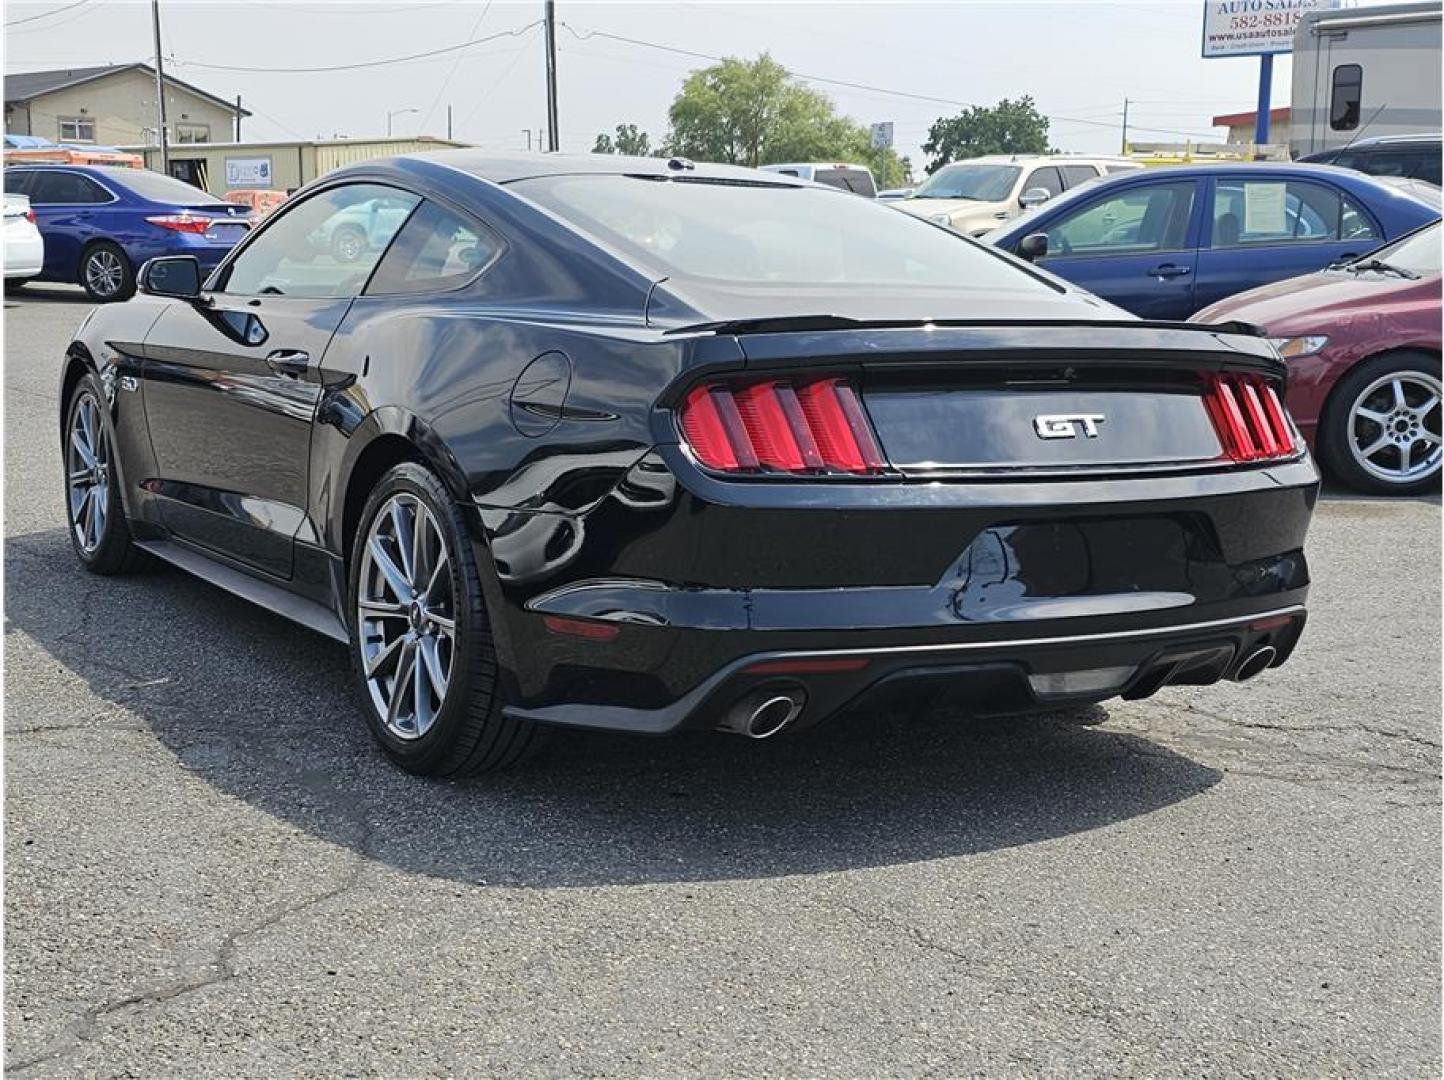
1379 266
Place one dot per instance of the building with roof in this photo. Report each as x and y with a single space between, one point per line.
1241 126
114 105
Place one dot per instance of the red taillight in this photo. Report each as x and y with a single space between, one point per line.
1249 418
181 222
804 426
30 216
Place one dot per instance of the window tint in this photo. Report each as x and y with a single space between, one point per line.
1269 212
753 234
16 182
1151 217
970 180
1074 175
435 250
858 181
55 186
326 245
1046 178
158 187
1419 251
1344 101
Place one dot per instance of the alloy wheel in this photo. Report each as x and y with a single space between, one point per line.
1394 427
87 466
104 272
406 616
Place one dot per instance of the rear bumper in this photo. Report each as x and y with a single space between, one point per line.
982 677
664 605
24 255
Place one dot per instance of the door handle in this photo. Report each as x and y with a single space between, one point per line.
1168 270
292 362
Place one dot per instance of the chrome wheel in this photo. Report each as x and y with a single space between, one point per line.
1394 432
350 245
87 467
406 616
104 272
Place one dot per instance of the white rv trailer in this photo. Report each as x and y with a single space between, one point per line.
1364 72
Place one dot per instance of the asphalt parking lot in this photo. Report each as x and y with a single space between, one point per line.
209 870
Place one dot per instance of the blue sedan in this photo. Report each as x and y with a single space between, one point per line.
1164 243
101 223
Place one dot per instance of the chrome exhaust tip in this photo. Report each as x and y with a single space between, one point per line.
764 714
1254 663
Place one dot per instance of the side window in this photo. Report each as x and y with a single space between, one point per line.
1073 175
1345 97
55 186
1046 178
1149 217
1111 169
1429 167
326 245
16 182
436 250
1271 212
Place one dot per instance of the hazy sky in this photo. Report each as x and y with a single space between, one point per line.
1078 60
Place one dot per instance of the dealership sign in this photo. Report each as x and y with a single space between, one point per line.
1254 27
248 172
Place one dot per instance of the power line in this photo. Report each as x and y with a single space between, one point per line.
517 32
480 101
455 63
46 14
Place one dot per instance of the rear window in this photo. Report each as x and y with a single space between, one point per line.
160 188
857 181
753 233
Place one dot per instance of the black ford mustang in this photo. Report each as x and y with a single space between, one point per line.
647 445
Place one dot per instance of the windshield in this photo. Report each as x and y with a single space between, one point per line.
752 233
982 183
1419 252
159 188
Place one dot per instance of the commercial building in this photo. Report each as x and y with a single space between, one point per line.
277 166
114 105
1241 126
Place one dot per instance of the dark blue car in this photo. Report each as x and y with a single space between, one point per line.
1164 243
100 223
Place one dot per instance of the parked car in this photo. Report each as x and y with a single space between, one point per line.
854 178
1362 343
1165 243
889 194
973 196
650 446
24 246
1414 157
101 223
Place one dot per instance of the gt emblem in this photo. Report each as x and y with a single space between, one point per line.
1067 425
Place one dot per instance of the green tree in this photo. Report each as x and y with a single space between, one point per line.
628 141
1009 127
742 112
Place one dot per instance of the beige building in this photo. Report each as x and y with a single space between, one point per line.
277 166
114 106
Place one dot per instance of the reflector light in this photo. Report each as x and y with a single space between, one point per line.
803 426
1249 418
1272 623
181 223
582 628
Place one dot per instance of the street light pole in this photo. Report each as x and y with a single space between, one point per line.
396 112
553 140
159 87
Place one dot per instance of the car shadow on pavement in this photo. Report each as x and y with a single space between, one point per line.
264 713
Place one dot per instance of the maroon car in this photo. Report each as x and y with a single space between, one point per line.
1362 345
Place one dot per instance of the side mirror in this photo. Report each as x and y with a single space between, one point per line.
1034 196
177 276
1034 246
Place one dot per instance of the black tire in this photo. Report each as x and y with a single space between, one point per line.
109 548
1419 374
106 274
348 243
469 733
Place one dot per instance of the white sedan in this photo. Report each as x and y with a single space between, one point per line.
24 247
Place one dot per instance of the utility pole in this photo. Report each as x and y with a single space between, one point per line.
159 88
1124 149
448 123
527 133
553 140
238 118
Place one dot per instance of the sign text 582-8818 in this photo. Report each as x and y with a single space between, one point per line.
1254 27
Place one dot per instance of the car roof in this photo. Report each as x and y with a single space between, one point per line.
508 168
1390 140
811 165
1028 159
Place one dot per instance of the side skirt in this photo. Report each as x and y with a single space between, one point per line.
273 598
